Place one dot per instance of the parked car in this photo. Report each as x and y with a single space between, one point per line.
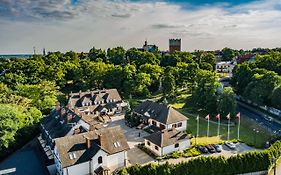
230 145
203 149
211 149
218 148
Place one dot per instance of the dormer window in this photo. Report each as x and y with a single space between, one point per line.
72 155
116 144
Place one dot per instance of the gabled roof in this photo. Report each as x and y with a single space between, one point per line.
76 99
111 140
57 125
167 137
69 146
159 112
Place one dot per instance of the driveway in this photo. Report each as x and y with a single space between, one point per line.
25 161
137 156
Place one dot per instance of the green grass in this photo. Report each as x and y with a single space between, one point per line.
247 134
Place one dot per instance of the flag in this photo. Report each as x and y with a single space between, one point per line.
218 117
207 117
228 116
197 117
238 115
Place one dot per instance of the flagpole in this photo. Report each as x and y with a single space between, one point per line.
219 122
197 131
238 132
228 128
208 127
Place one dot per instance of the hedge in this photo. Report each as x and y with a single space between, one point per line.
241 163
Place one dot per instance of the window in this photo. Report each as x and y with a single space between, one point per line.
154 123
148 143
179 125
176 145
100 159
156 147
174 125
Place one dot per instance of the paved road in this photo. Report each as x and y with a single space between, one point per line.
250 112
26 162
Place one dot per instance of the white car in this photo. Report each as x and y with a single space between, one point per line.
230 145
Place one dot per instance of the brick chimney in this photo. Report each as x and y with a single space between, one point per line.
101 139
88 142
91 128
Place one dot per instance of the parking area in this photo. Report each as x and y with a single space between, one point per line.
226 152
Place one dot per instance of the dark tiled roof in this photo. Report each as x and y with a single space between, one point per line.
57 125
77 144
76 99
160 112
167 137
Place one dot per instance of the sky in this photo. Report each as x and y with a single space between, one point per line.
78 25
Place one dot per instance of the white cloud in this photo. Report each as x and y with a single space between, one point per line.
58 25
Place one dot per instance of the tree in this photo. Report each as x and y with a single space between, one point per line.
227 54
209 58
169 60
205 90
94 54
259 90
226 102
117 55
276 96
43 95
169 84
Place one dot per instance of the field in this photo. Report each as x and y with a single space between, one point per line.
247 126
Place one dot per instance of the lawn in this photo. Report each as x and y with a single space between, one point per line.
247 134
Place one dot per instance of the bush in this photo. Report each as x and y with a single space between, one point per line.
191 152
237 164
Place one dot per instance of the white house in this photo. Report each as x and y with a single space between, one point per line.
167 141
95 152
225 67
161 116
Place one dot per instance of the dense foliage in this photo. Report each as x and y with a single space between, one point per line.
237 164
260 81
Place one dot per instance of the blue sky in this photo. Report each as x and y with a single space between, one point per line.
80 24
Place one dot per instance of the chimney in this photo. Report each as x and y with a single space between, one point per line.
88 142
70 94
92 94
92 128
101 139
80 93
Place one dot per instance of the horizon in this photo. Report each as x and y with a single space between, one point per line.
79 25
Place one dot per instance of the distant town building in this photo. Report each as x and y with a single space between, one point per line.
247 57
225 67
149 47
174 45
